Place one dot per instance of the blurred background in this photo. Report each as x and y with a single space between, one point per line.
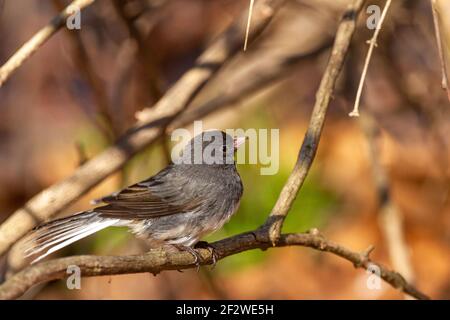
381 179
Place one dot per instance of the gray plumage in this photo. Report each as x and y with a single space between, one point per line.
179 205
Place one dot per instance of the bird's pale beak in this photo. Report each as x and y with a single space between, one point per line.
238 141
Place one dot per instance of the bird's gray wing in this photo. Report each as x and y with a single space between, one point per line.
161 195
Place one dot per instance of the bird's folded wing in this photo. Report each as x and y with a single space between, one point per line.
147 199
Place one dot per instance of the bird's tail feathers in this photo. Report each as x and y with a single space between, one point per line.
57 234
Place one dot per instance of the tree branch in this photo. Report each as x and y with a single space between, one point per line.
30 47
311 141
158 260
372 44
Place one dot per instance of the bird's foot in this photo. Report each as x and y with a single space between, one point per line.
195 254
210 247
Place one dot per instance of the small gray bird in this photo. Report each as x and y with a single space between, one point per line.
187 200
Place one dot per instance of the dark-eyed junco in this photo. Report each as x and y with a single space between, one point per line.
187 200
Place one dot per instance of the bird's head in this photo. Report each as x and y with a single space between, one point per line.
212 147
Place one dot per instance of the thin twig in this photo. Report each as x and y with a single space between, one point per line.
311 141
160 259
442 57
372 44
27 50
250 12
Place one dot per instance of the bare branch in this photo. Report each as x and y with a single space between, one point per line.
372 44
260 75
27 50
146 57
390 219
311 141
157 260
442 57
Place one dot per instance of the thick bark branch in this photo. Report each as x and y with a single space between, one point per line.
160 259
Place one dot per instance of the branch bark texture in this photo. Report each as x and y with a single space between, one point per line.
160 259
